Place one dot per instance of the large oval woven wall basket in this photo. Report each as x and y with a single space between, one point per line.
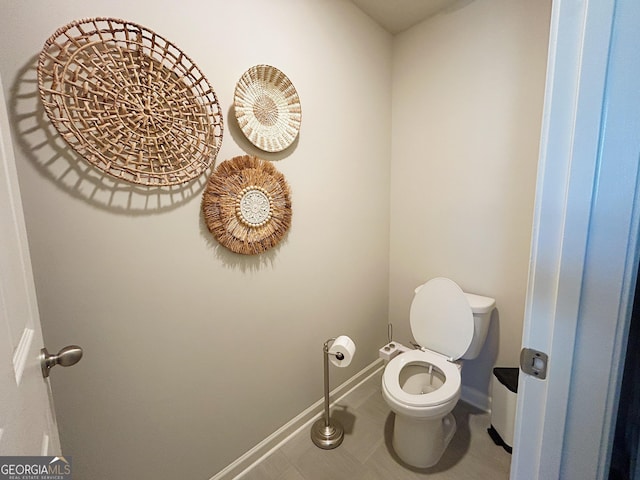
129 102
247 205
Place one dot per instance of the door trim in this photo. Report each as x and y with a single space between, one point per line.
560 228
569 255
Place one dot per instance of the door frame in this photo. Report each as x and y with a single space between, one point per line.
584 253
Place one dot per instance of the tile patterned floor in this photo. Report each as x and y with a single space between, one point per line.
366 452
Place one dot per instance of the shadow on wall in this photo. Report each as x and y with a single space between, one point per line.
56 161
476 373
245 263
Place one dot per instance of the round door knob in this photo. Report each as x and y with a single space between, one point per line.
66 357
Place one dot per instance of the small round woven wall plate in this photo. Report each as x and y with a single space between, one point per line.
267 108
247 205
129 102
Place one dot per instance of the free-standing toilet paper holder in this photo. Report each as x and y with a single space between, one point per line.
325 434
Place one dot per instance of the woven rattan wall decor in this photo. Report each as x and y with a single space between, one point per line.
267 108
129 101
247 205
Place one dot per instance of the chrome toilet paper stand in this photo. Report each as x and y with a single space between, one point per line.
324 433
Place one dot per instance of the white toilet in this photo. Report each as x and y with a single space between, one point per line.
422 386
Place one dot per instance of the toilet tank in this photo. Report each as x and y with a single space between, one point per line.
482 307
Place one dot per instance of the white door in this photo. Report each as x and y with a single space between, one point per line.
27 421
585 242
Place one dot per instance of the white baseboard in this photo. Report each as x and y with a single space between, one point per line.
475 398
246 462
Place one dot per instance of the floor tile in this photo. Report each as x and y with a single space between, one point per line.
366 452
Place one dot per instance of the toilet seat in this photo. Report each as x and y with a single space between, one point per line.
444 394
441 318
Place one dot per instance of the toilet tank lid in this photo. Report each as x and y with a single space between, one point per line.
480 304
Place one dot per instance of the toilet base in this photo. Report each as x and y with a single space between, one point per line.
421 443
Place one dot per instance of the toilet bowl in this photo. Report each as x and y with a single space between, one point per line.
423 386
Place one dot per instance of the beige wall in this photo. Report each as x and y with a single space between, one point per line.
467 102
194 354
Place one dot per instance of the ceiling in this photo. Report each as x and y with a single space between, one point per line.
396 16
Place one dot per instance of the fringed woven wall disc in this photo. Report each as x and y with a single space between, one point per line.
130 102
247 205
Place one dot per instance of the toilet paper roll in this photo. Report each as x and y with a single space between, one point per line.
345 346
